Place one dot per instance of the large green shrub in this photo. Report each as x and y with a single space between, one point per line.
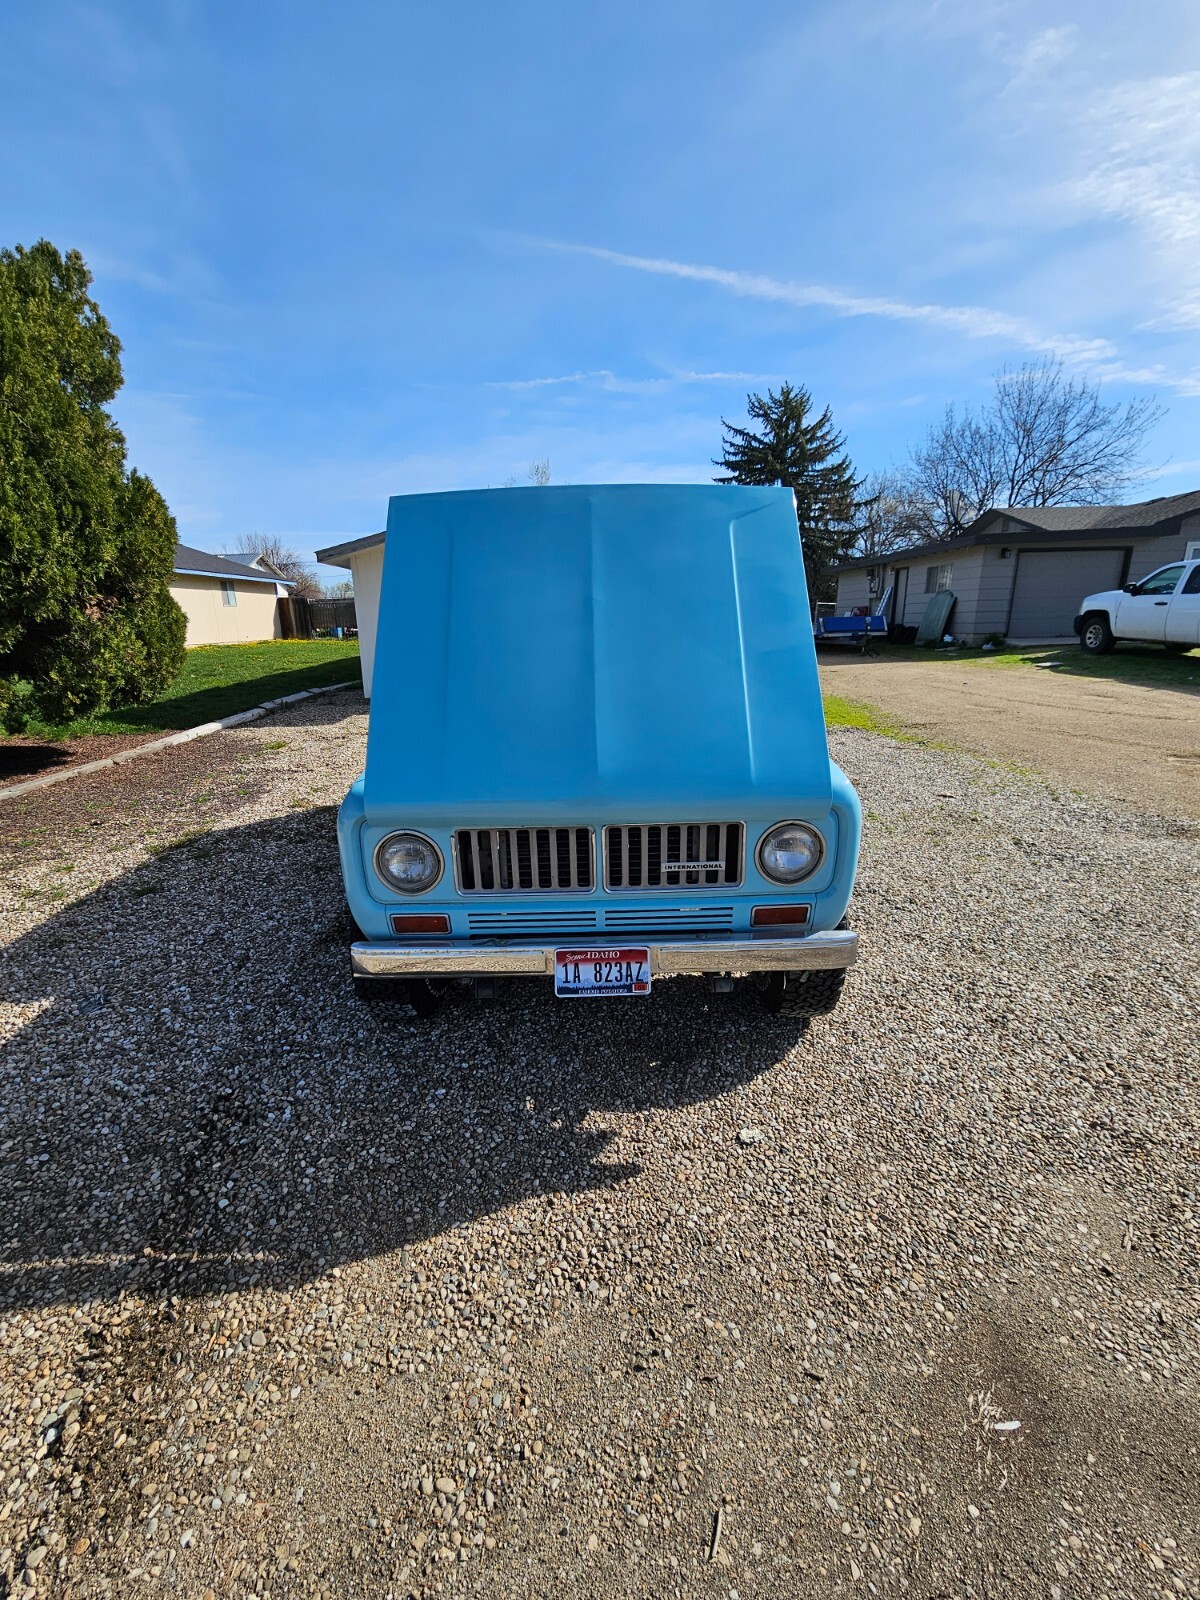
86 546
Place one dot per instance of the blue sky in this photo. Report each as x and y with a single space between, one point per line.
370 248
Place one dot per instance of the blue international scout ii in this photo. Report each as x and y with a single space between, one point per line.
597 751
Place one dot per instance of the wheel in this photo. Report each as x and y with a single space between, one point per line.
1176 649
1096 636
799 994
416 993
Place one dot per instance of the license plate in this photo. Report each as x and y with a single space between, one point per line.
580 974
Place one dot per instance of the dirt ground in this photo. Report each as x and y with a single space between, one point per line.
1122 740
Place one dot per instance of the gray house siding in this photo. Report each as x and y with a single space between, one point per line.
1190 530
966 569
995 591
854 589
1151 553
993 601
982 578
981 581
983 575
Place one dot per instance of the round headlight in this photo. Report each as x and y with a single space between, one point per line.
790 852
408 862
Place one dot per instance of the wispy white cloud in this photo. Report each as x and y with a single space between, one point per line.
1142 166
600 376
975 322
183 274
1037 59
1097 356
726 377
106 266
1173 469
609 381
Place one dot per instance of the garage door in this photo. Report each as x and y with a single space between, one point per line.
1051 583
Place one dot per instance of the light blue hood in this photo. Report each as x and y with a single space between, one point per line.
633 652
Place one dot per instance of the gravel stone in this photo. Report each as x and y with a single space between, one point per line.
298 1298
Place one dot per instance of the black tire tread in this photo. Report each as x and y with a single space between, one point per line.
1108 641
803 994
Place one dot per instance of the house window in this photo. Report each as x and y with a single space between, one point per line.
1192 552
938 578
228 593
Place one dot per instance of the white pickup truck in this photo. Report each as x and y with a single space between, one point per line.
1163 608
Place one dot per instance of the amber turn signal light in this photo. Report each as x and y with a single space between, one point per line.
416 924
777 916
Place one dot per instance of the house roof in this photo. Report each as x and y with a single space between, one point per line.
253 557
1062 524
338 555
911 552
194 563
1143 516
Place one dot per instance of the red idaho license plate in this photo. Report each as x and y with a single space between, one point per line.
589 974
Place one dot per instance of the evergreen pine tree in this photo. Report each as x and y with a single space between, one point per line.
801 452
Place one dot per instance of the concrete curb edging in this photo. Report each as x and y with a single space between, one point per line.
185 737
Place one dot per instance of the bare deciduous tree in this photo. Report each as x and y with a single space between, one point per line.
892 515
1043 440
285 560
538 475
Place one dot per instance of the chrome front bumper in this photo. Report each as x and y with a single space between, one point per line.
668 957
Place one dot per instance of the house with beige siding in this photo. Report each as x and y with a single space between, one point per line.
1020 571
225 602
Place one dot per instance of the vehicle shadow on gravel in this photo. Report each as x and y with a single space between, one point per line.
197 1101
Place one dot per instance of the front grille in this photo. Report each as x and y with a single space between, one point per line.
529 860
656 856
528 924
670 919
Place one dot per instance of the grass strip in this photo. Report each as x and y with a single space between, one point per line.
218 680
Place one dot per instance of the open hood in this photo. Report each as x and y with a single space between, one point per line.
623 652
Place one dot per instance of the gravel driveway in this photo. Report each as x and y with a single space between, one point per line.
599 1300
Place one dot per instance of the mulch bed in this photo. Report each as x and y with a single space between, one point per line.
186 783
22 757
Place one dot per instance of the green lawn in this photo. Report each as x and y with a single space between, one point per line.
1128 663
843 713
219 679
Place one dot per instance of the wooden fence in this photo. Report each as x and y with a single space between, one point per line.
301 618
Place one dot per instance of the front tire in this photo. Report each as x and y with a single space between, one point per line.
800 995
1096 636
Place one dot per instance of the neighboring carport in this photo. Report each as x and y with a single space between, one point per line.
1050 584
